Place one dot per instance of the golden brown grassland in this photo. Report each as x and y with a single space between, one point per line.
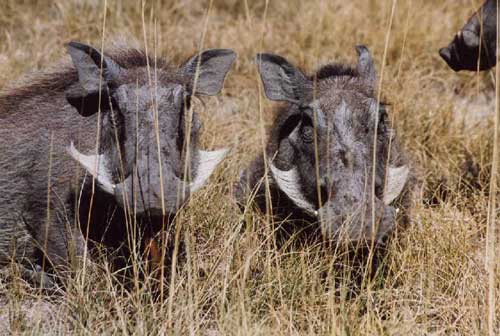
233 280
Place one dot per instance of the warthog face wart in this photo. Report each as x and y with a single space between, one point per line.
149 132
321 149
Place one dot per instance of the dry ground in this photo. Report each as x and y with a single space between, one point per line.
233 280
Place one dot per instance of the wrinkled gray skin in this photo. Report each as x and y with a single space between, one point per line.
475 44
48 132
344 108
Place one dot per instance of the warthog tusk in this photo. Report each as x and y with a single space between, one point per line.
208 161
396 179
96 166
288 182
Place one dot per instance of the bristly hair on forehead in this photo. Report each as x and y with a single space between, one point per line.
333 70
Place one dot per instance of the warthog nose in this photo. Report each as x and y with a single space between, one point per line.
355 221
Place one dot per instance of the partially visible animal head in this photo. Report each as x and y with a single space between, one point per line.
148 129
474 46
321 149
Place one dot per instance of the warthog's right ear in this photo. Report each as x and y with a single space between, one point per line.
207 70
94 72
282 81
365 67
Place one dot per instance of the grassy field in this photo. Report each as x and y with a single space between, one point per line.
442 277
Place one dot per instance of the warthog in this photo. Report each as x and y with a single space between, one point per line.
474 46
131 116
320 153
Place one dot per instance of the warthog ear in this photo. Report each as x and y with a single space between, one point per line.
207 70
396 180
89 64
282 81
365 66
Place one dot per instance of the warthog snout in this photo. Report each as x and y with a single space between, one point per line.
356 221
474 46
346 209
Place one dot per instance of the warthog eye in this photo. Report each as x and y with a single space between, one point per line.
382 118
182 127
307 130
382 121
187 102
307 134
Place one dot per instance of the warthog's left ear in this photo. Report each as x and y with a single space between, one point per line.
282 81
207 70
90 64
365 66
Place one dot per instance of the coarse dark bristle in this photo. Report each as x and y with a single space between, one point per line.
333 70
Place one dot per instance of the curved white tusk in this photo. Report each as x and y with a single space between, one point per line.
96 166
208 161
396 179
288 182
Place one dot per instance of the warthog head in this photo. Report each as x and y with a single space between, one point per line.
475 44
148 131
321 150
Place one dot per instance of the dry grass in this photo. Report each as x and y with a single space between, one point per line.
233 280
